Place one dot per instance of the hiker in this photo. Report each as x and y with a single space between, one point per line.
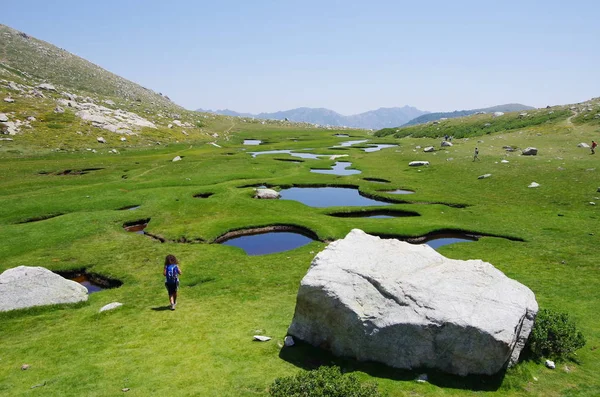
476 155
171 272
446 137
594 144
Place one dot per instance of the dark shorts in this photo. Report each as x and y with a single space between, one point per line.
172 287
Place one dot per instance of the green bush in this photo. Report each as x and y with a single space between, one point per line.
324 381
554 336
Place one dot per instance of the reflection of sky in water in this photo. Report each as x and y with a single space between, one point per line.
268 243
350 143
398 191
375 148
339 168
252 142
328 197
435 243
294 154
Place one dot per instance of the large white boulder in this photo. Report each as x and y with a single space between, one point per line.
268 194
409 307
22 287
530 151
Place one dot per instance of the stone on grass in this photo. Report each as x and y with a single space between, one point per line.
261 338
101 140
288 341
110 306
484 176
504 161
59 110
422 378
530 151
429 149
550 364
409 307
268 194
534 184
584 145
25 367
22 287
176 158
46 86
418 163
123 139
446 144
3 117
9 100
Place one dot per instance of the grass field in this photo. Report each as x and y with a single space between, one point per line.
205 347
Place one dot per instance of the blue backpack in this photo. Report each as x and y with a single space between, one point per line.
172 274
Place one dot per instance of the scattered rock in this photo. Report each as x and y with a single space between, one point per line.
25 367
59 110
31 118
422 378
261 338
101 140
22 287
9 100
530 151
592 203
418 163
534 184
3 117
446 144
123 139
176 158
113 151
288 341
268 194
125 389
504 161
177 123
498 114
550 364
170 126
429 149
110 306
484 176
109 102
372 299
584 145
46 86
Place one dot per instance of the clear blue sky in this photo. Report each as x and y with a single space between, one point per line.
349 56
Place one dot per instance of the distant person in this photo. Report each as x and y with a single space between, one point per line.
171 272
476 154
446 137
594 144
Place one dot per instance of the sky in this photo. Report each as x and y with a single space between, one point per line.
349 56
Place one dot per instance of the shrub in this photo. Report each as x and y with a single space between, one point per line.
325 382
554 335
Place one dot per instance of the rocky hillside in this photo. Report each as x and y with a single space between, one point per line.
373 119
36 59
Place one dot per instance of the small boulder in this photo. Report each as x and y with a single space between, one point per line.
288 341
261 338
9 100
530 151
423 378
446 144
583 145
504 161
268 194
429 149
534 184
31 118
25 367
110 306
177 158
24 286
418 163
123 139
550 364
101 140
59 110
46 86
484 176
3 117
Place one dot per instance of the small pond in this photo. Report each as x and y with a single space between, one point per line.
269 243
440 240
84 280
252 142
328 197
293 154
130 207
375 148
341 135
339 168
351 143
379 214
397 191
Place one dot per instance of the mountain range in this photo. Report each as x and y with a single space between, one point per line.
510 107
374 119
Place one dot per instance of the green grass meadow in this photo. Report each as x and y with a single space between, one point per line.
205 347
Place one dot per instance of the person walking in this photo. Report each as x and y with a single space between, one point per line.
594 144
476 154
171 271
